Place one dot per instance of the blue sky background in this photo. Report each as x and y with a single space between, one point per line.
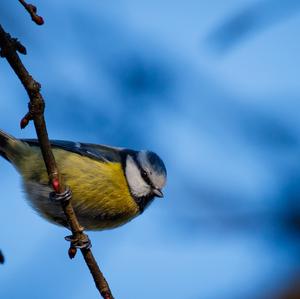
213 87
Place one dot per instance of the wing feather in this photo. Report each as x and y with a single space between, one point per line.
94 151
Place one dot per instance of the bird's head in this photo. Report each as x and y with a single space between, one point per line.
146 174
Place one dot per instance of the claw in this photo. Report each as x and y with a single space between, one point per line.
82 242
61 197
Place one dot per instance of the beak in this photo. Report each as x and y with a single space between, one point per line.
158 193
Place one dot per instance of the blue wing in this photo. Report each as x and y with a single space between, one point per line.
94 151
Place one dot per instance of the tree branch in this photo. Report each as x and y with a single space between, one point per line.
32 10
36 105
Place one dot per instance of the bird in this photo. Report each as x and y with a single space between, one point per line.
110 185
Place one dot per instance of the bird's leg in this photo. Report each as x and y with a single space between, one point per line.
78 240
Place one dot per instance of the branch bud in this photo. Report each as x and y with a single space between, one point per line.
55 185
72 252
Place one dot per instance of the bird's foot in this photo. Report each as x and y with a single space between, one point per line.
81 241
61 197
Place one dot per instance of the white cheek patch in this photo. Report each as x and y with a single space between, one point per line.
135 181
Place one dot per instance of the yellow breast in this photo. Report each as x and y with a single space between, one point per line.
101 197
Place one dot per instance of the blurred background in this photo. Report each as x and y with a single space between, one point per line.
213 87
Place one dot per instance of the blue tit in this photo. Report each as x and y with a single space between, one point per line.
110 185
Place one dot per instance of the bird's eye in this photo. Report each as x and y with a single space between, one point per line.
146 178
144 174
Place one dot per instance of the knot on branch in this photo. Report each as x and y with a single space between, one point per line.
14 44
34 89
36 107
18 46
107 295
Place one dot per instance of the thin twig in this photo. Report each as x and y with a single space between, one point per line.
36 113
1 258
32 10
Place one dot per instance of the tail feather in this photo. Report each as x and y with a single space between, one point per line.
9 146
2 154
4 140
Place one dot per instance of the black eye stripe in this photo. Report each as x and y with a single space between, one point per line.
143 173
146 177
